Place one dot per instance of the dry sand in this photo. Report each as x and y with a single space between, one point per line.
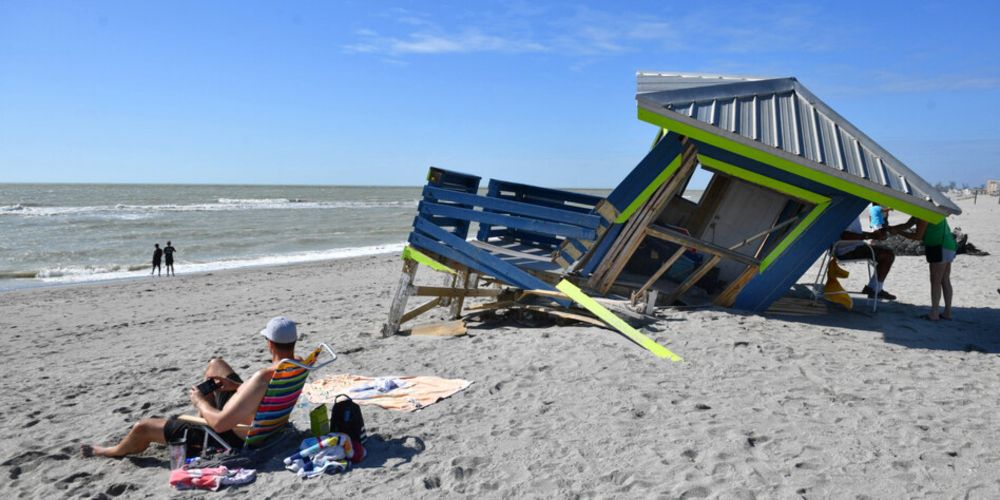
840 405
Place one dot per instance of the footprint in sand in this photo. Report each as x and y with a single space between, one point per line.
120 488
65 482
432 482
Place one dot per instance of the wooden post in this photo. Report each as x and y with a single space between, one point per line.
455 309
651 301
450 281
399 300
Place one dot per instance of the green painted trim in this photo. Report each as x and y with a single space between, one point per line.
819 201
793 235
789 166
660 134
648 192
410 253
617 323
762 180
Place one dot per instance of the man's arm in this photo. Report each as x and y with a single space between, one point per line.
863 235
240 409
917 233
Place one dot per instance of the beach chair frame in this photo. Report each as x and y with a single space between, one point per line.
211 435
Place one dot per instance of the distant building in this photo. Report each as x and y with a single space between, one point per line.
993 187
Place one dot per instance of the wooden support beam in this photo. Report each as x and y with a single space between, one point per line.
665 234
571 249
420 310
440 291
633 232
764 233
728 296
659 272
693 279
618 306
489 306
399 299
606 210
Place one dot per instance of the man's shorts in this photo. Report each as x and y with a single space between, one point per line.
175 430
861 252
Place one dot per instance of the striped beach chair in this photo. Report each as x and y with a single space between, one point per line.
275 409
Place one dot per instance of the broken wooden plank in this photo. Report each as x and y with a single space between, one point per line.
617 323
444 329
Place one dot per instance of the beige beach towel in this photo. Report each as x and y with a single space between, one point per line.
412 394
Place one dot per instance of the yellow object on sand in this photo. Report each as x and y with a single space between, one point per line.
617 323
833 291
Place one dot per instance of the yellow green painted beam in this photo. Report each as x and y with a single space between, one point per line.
650 189
410 253
793 235
790 166
820 202
762 180
617 323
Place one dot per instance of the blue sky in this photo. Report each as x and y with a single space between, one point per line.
374 92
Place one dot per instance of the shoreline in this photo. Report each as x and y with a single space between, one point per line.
301 258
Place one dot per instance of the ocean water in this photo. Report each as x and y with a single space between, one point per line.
67 233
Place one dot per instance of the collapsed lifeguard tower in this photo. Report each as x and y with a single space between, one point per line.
788 174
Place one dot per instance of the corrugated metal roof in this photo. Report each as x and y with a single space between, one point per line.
780 113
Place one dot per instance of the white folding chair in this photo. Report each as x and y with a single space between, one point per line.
817 288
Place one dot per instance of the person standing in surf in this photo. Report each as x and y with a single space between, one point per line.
157 256
168 254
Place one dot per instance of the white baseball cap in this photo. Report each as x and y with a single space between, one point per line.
280 330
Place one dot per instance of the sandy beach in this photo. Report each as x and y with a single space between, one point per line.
846 404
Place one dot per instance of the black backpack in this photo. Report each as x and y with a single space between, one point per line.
345 417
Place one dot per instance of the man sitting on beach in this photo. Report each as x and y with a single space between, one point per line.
233 402
858 249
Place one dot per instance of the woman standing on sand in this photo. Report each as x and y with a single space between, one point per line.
939 247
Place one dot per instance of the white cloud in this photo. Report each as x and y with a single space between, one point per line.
467 41
586 32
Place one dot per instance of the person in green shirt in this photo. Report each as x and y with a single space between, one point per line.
939 247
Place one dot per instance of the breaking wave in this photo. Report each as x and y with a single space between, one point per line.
113 272
222 204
